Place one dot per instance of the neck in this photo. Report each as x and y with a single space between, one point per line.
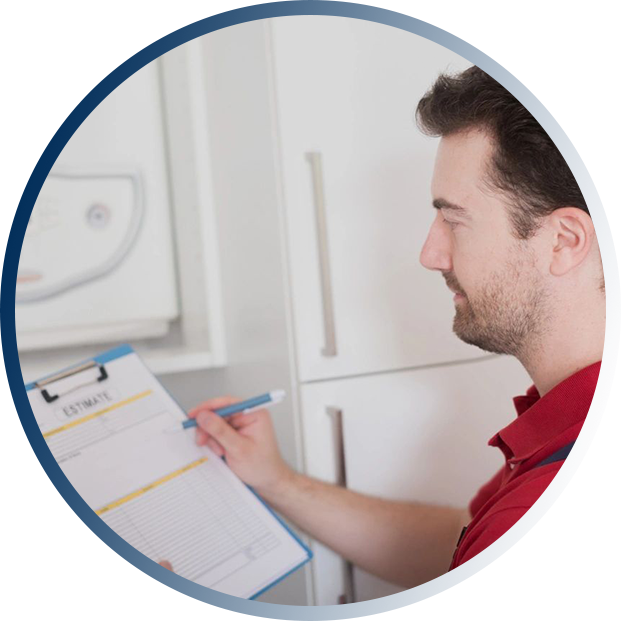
572 341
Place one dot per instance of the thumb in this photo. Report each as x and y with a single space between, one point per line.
231 441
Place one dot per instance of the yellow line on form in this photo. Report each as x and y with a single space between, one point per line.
144 490
85 419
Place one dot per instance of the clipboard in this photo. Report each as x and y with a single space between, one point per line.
103 420
91 364
76 370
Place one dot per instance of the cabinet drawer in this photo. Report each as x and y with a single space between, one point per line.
418 435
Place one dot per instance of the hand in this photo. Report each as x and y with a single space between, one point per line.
246 441
166 565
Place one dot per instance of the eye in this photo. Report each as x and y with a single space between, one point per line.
452 225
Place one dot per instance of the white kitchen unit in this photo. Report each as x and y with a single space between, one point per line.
356 182
121 245
99 236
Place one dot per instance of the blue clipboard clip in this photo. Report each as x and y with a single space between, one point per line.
91 364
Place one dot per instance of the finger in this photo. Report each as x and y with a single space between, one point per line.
231 441
201 437
166 565
213 404
239 421
215 447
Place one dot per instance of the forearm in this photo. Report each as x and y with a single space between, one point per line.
403 543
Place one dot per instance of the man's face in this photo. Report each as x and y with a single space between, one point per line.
499 288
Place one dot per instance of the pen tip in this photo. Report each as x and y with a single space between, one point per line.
277 395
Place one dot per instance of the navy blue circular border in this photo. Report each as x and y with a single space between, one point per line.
62 560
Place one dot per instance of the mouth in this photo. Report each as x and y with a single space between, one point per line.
457 295
453 288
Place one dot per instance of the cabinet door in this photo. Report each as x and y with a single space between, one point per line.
417 435
346 91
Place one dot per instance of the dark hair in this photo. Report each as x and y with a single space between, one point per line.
526 165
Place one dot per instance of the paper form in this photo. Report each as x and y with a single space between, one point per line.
164 495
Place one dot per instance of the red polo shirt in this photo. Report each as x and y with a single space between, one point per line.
543 426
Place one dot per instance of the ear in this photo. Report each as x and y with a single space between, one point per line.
573 236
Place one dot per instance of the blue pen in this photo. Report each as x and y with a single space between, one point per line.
262 401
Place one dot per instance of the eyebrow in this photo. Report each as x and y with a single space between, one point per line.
441 203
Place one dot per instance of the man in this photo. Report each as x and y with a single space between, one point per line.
515 243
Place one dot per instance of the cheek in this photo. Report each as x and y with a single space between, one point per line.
466 263
480 252
472 266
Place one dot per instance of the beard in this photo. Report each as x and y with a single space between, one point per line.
506 315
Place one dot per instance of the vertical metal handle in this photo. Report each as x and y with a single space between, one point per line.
336 414
329 348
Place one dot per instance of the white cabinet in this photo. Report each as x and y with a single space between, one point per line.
346 91
124 233
416 435
97 263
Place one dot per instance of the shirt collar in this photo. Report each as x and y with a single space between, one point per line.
541 419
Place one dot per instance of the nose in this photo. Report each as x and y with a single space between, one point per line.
436 253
